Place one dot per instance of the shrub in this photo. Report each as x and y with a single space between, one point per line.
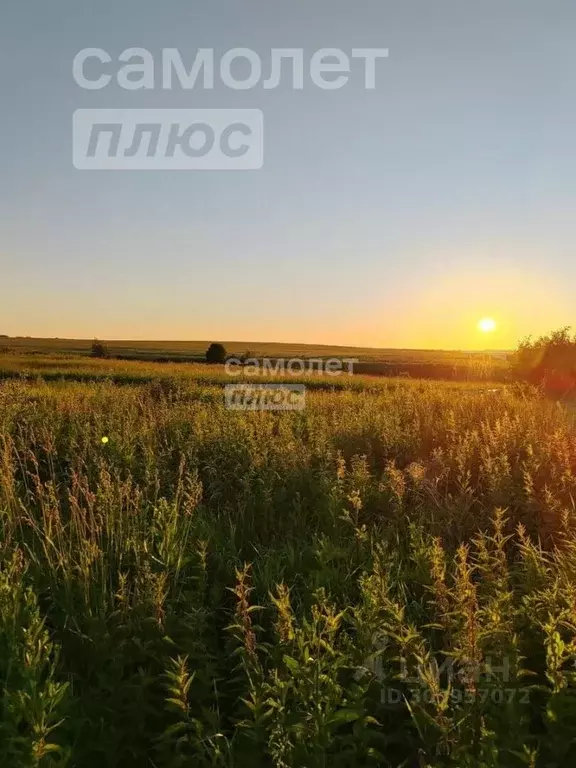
549 361
99 349
216 353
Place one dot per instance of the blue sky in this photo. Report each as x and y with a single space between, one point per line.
388 217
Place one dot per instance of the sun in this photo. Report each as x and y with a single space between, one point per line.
487 325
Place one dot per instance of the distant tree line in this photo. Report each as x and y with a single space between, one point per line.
216 352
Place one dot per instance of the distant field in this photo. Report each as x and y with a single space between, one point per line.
73 368
25 355
195 350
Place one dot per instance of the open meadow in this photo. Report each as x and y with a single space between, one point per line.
387 577
351 543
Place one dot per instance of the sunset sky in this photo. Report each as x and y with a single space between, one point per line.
398 216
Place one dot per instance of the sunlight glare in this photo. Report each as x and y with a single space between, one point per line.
487 325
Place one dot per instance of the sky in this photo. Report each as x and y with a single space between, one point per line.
392 217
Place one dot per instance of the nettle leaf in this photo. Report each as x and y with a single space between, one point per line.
291 663
344 716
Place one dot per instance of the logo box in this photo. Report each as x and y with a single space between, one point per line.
265 397
168 139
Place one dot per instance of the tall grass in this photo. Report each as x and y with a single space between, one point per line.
385 578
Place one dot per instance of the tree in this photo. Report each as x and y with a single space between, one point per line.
99 349
216 353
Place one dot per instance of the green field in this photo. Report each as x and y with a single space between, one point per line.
385 578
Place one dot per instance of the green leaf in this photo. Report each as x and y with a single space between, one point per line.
344 716
291 663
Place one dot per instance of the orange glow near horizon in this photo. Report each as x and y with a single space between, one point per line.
451 306
455 307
